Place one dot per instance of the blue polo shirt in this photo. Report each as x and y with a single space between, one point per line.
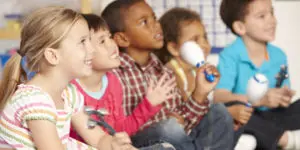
236 68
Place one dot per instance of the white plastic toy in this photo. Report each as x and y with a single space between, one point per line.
257 87
192 53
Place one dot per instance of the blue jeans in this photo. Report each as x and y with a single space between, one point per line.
157 146
214 132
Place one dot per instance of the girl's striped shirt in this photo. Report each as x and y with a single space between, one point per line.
31 103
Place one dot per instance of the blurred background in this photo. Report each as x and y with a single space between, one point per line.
287 12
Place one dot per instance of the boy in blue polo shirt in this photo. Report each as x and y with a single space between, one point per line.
275 122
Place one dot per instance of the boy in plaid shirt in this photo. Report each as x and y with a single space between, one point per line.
137 33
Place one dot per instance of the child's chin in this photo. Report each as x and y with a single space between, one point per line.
87 73
158 46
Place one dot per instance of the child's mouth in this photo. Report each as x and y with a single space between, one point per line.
88 62
158 36
115 55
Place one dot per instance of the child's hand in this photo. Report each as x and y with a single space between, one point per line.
241 98
203 87
158 93
289 92
276 97
240 113
121 141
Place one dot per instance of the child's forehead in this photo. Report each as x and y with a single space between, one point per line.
138 10
101 32
259 6
78 30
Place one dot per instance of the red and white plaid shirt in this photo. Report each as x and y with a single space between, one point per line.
134 80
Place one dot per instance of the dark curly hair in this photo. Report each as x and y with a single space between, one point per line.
171 23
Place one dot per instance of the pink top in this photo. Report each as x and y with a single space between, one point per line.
112 102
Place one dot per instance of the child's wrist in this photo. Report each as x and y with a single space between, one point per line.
199 97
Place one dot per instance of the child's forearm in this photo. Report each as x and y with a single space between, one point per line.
105 143
225 96
140 115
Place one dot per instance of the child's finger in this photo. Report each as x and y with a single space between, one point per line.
292 92
170 82
122 138
162 79
170 87
171 95
151 84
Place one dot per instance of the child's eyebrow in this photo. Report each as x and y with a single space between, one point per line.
84 37
103 36
264 11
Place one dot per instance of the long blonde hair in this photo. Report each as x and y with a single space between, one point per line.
44 28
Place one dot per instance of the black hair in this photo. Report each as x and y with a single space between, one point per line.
95 22
115 12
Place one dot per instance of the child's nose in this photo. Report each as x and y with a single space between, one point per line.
90 47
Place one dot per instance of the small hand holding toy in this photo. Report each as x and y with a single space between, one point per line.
100 114
257 87
192 53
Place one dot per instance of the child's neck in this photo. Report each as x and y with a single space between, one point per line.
257 50
44 81
140 56
186 68
92 83
254 46
185 76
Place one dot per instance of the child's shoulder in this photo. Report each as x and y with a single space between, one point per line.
26 94
275 50
234 48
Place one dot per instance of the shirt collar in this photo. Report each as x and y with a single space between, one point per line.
240 45
127 62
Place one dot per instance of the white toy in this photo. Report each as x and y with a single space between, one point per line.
192 53
257 87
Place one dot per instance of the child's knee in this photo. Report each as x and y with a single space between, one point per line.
172 129
220 112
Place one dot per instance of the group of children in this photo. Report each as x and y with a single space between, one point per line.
128 63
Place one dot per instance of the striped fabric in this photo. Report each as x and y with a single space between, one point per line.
31 103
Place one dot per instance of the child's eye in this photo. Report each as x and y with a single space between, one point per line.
102 41
83 41
205 36
144 22
196 38
262 16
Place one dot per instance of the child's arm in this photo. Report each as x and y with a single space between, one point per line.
38 114
227 67
148 107
224 96
95 137
44 134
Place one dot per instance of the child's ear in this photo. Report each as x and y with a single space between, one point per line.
239 27
121 39
173 49
52 56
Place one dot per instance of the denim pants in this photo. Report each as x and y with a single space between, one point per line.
214 132
157 146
